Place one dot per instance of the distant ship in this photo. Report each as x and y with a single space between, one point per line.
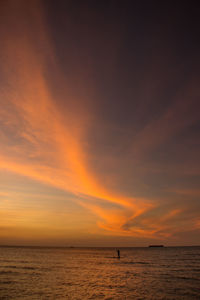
156 245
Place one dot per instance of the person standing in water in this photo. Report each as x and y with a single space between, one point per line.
118 253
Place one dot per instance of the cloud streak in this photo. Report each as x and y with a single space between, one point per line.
49 142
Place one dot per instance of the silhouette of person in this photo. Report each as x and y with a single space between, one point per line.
118 253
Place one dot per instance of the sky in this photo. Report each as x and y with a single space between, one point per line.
99 123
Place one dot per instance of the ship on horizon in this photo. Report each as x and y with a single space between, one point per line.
156 246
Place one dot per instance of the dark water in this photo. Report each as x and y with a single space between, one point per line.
94 273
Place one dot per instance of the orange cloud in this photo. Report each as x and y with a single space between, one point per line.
40 141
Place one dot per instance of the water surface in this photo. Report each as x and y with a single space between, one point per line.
96 273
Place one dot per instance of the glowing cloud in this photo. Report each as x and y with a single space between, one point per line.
46 138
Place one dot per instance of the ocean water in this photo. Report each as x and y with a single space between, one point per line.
96 273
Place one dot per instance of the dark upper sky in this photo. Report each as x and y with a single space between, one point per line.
102 99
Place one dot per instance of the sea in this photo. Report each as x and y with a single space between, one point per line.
97 273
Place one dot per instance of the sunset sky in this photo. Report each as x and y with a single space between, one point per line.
99 123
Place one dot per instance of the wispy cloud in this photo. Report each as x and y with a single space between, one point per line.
48 142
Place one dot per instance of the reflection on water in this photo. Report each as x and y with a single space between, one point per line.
97 273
